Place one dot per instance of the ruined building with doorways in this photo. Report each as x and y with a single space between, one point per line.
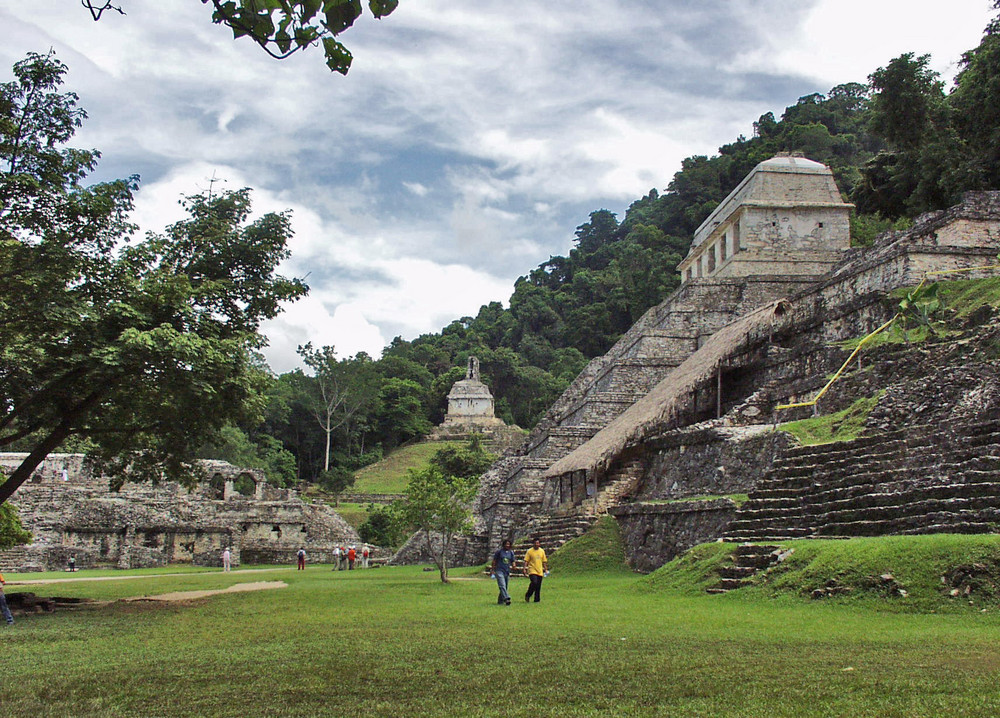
73 514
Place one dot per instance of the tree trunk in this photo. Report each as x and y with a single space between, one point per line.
443 563
326 462
51 442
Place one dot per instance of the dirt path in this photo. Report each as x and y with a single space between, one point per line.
42 581
188 595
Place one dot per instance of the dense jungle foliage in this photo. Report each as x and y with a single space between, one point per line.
899 145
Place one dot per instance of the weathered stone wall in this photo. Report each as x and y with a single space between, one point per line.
464 550
654 534
710 461
145 525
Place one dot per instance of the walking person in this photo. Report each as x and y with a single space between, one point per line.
227 559
352 556
302 559
3 605
336 558
536 567
503 562
364 556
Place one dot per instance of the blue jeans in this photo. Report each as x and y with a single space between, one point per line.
6 611
502 579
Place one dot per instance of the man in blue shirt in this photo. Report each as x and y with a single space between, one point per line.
503 562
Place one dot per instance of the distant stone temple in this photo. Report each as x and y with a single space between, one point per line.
470 402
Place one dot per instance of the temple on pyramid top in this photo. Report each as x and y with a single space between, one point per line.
786 217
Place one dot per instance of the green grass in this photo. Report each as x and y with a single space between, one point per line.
840 426
599 550
389 476
964 296
396 642
354 514
922 566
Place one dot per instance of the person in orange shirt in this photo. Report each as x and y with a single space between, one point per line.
3 605
352 556
536 567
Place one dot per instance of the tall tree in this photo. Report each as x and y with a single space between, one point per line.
439 505
142 348
976 101
339 390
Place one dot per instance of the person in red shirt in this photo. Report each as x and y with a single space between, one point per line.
352 556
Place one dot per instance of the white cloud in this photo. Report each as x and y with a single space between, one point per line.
416 188
846 40
311 320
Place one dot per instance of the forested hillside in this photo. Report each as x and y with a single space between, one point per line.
900 145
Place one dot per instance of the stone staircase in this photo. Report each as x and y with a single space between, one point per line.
621 483
553 532
925 479
747 562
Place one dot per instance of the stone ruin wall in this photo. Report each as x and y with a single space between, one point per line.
144 525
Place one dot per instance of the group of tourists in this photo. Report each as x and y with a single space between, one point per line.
345 559
535 566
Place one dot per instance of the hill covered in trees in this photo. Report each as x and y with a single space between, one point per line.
900 145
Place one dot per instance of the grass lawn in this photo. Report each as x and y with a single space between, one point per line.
354 514
389 476
396 642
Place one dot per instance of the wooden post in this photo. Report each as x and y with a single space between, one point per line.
718 393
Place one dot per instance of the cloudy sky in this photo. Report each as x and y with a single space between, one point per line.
469 139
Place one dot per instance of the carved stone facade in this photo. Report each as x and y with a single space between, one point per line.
74 514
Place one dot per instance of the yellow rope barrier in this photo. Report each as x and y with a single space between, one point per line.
872 335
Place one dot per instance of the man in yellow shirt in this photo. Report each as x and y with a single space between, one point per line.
536 567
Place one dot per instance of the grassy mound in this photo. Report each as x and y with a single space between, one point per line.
599 550
934 573
828 428
691 572
389 476
966 296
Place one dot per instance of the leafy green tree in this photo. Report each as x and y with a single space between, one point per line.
976 102
12 532
465 462
284 27
910 113
232 444
336 480
383 526
142 348
403 416
439 505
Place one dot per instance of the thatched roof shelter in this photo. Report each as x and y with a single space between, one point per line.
668 399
